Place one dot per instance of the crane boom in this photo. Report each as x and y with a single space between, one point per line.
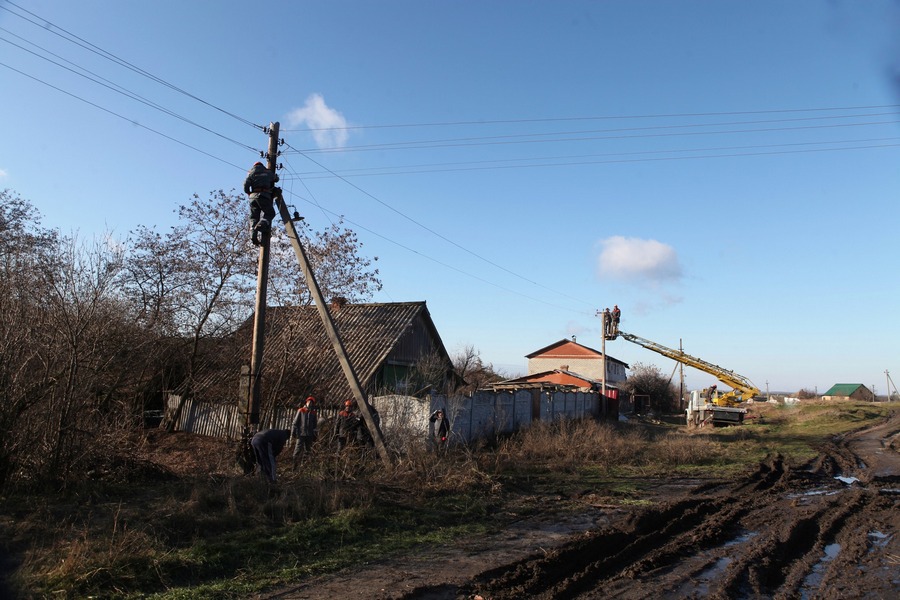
742 388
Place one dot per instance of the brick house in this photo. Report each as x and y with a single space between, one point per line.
569 356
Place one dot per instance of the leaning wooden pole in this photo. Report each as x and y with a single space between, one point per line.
332 332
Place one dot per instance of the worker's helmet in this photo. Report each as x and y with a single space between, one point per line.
348 403
310 400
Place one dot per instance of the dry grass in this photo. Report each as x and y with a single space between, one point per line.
574 445
205 522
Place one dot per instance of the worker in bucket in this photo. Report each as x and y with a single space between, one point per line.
260 184
305 428
267 444
616 315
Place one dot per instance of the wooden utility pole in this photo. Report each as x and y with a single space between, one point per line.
259 318
262 283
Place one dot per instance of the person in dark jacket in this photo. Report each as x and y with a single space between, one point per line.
363 435
260 184
439 429
305 428
347 424
616 315
267 444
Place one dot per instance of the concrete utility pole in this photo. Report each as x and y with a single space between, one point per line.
332 332
604 403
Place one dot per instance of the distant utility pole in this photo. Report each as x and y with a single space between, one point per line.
680 377
603 355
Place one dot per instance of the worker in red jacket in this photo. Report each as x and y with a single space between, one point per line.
305 428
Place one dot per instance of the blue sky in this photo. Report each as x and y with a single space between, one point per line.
726 172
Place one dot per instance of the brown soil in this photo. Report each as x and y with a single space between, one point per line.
777 533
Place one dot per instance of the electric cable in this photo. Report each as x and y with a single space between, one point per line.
296 177
449 266
50 26
437 234
124 118
600 118
121 90
472 142
473 165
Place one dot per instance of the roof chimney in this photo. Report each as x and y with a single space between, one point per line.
338 302
563 367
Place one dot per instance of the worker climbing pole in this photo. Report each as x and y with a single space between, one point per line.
252 377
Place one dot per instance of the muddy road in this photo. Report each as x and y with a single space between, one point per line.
826 530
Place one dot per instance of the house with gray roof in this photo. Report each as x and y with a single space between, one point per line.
393 347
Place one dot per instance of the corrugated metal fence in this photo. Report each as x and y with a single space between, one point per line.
480 416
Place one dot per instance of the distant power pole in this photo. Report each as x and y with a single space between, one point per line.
680 377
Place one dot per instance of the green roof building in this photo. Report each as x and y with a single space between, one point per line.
849 391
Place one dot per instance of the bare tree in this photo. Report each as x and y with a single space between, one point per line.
336 256
473 372
648 380
198 281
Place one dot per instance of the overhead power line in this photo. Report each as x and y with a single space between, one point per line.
445 264
529 162
74 39
599 118
123 117
438 234
93 77
530 138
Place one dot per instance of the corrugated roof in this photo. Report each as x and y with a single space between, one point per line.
556 377
843 389
300 360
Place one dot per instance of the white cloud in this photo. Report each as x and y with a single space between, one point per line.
328 125
3 174
633 259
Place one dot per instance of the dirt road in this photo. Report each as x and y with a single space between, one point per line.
827 530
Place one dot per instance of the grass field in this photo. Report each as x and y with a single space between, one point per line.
162 533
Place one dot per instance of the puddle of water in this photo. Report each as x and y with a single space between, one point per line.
700 584
814 579
878 539
744 537
816 492
847 480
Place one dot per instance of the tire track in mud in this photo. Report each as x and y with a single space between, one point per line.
652 539
778 533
